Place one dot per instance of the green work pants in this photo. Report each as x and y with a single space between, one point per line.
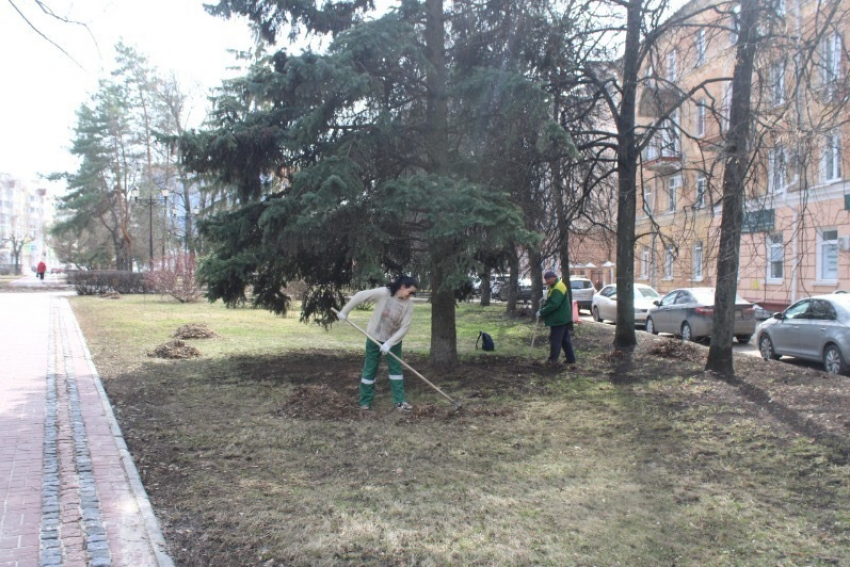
370 371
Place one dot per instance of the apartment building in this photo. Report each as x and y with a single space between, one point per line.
796 232
25 213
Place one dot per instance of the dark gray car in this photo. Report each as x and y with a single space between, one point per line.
689 313
816 328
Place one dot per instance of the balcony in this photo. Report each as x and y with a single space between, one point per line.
662 159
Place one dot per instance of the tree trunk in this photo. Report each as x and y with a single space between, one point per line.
627 157
720 358
485 287
535 260
443 330
512 285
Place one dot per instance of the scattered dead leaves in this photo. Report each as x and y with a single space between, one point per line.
676 350
319 402
175 349
194 331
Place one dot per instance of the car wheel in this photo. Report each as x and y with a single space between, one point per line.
687 332
650 326
766 348
596 316
743 339
833 361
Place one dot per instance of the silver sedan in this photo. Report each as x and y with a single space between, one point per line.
689 313
816 328
605 303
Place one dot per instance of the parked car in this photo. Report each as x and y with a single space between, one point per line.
689 313
496 284
605 303
582 290
816 328
523 291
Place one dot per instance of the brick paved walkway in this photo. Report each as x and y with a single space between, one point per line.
69 491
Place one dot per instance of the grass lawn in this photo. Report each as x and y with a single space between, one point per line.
256 454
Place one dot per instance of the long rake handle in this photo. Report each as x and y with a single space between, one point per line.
406 365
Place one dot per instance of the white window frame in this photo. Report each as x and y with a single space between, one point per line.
825 247
700 46
777 173
644 263
775 258
700 118
831 157
698 261
736 23
831 54
673 184
669 258
777 83
701 190
670 71
647 200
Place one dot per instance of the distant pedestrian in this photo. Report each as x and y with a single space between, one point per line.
42 267
557 314
388 325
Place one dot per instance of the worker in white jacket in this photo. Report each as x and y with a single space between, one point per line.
388 325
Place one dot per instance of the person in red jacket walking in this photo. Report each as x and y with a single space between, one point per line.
40 269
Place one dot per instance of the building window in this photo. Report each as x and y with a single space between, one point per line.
776 174
668 263
697 261
647 199
670 146
735 24
672 187
700 47
644 263
700 118
699 200
671 66
830 62
777 83
831 157
775 256
828 254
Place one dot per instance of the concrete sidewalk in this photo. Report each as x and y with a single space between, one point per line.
69 490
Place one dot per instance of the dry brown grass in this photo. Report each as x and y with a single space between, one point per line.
256 458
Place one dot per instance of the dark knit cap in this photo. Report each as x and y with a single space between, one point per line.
549 274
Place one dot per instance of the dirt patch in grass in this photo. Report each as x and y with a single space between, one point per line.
636 458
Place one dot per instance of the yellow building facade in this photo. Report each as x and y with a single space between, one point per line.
796 234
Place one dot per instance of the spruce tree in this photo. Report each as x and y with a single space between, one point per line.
367 160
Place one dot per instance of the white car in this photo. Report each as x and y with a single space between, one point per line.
605 303
582 291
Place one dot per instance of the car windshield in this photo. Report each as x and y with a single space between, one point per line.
646 292
705 296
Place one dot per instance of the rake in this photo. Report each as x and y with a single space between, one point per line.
455 404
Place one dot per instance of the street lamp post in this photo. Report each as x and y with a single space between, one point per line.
150 200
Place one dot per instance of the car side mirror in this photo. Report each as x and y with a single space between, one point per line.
656 303
780 315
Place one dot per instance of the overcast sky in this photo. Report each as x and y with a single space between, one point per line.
41 89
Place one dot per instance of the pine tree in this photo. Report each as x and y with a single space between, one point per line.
369 159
